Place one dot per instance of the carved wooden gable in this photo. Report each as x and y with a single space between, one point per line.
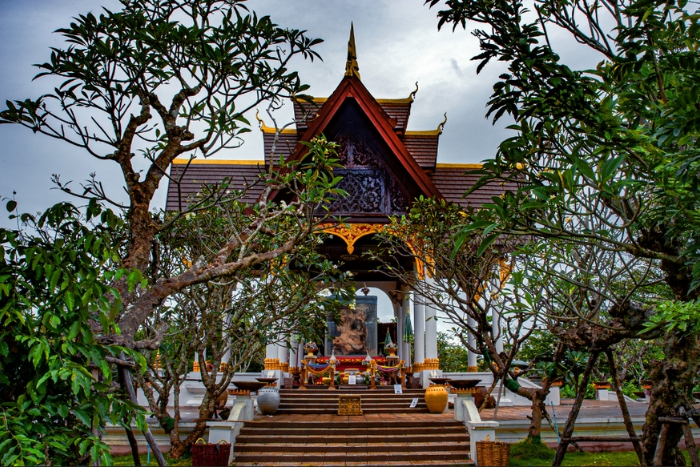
376 183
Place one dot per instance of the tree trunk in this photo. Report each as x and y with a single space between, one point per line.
571 421
126 375
133 443
206 409
623 407
672 380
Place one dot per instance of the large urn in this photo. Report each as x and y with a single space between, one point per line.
436 398
268 400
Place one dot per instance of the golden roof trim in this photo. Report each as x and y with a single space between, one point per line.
460 166
218 162
271 130
402 100
423 133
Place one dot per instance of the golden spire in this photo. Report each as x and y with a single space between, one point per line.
351 66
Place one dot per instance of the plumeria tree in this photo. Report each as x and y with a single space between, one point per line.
603 157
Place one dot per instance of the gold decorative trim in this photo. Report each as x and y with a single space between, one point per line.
195 366
472 369
423 133
238 392
459 166
222 366
351 66
217 162
350 233
431 364
417 367
272 364
349 405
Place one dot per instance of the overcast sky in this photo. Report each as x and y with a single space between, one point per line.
397 45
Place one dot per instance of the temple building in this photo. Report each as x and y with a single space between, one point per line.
386 166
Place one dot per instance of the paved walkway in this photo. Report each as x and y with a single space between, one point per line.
589 410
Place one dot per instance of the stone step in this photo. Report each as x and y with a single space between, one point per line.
378 458
360 432
335 447
334 410
352 424
385 463
386 436
388 391
334 403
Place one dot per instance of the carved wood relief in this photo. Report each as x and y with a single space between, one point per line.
371 187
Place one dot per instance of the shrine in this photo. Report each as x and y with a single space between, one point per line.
385 167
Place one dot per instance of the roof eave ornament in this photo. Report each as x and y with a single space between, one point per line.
351 66
412 96
441 126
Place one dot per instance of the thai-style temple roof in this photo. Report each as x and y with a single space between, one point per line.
374 146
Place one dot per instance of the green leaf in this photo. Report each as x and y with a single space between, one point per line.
485 243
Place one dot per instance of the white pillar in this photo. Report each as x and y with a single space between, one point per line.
430 328
293 353
398 312
226 340
271 351
406 310
496 328
471 340
282 352
419 327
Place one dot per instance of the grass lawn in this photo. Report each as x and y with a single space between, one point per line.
583 458
522 454
128 460
517 458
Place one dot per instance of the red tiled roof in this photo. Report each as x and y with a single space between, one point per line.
452 182
285 145
397 109
352 88
242 174
423 147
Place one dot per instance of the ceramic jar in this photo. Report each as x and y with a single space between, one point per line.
268 400
436 398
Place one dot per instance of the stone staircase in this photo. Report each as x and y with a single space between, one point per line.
307 431
396 443
323 401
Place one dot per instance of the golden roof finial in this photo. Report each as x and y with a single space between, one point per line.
261 123
351 66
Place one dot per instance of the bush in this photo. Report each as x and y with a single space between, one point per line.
527 449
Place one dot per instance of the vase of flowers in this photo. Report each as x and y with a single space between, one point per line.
391 348
310 348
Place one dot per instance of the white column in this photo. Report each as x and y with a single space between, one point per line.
406 310
419 327
271 351
430 329
226 340
282 352
398 312
471 340
496 328
293 353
